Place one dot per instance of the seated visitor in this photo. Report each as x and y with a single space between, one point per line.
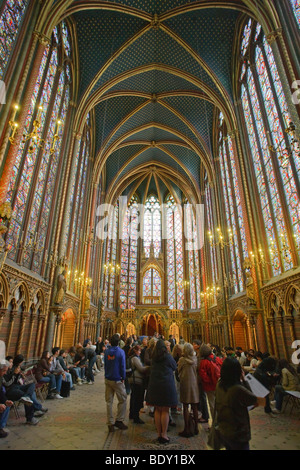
289 381
5 404
43 374
16 390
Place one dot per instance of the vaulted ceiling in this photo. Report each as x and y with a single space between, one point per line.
154 74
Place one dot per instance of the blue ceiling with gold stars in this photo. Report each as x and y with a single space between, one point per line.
154 73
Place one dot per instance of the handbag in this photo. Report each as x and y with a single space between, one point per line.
29 378
65 389
214 437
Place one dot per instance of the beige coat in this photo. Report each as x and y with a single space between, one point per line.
187 371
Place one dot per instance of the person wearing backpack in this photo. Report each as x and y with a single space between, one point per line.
209 372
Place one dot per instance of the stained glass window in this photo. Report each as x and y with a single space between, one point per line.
152 287
275 163
11 15
129 254
233 209
32 186
193 256
213 277
175 255
152 226
111 258
296 8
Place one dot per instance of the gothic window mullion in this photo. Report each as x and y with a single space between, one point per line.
27 143
73 210
239 256
263 168
40 154
273 157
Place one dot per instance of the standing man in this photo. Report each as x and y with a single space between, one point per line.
115 374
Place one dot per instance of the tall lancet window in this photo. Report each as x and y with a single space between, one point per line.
213 277
152 226
34 182
174 257
296 8
233 208
152 287
192 246
129 253
111 258
12 13
275 158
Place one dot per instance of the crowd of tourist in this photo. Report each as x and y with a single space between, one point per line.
162 377
200 381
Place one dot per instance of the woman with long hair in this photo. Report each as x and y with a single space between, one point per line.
189 391
233 397
161 392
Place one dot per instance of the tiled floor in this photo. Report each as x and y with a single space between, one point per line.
79 423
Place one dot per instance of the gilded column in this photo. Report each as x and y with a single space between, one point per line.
41 320
32 322
271 322
291 322
280 323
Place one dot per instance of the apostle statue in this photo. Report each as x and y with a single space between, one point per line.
61 287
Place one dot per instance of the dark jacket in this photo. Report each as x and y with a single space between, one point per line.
3 397
161 389
232 412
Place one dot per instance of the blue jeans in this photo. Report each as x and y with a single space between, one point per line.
4 417
15 392
89 372
69 378
279 394
80 372
54 382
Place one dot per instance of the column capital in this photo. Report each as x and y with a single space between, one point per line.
42 38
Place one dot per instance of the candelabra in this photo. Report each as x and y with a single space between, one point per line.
33 136
285 153
210 292
183 284
110 269
34 245
221 240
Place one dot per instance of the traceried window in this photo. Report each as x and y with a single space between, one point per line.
152 226
129 256
233 209
275 158
192 246
175 255
213 279
12 13
152 287
39 159
296 8
75 210
111 258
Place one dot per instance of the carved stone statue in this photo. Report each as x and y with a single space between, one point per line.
87 300
61 288
250 289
